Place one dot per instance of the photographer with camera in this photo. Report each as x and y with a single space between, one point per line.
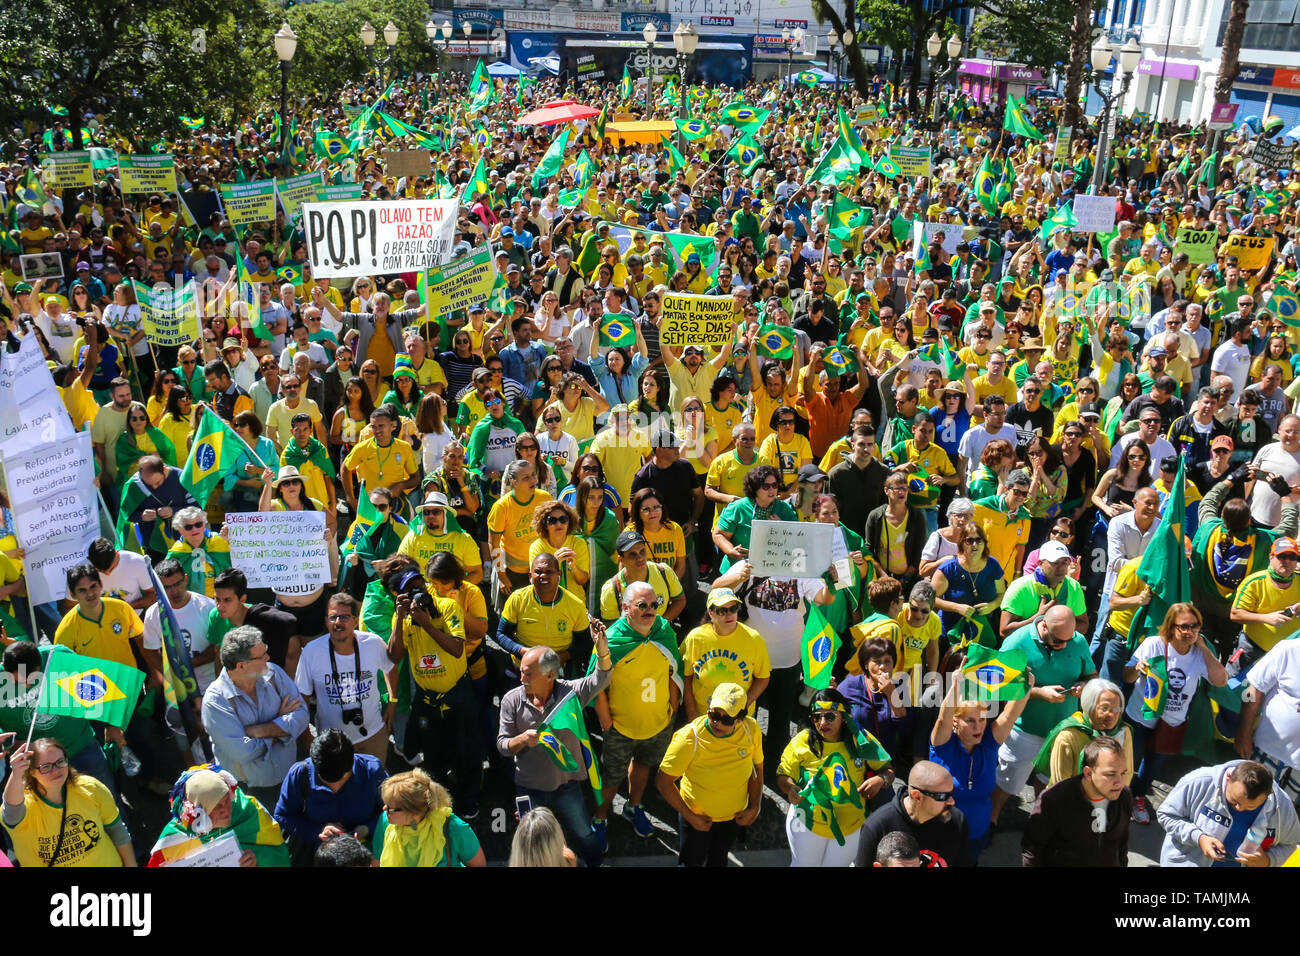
340 674
444 723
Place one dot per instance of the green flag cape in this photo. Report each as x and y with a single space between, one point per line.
623 639
1163 567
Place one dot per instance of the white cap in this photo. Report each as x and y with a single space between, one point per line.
1052 551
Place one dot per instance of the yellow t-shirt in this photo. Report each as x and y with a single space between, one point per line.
895 537
432 667
666 545
659 576
280 415
429 373
1127 584
739 658
722 422
912 641
799 763
80 405
382 467
91 810
537 623
178 433
971 357
581 554
620 456
984 388
727 475
715 771
877 625
786 456
473 607
1259 594
513 520
422 546
640 702
109 638
764 406
581 421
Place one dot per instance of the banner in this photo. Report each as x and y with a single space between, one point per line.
1094 213
790 549
282 550
911 160
1062 154
704 320
411 163
1252 252
1274 155
31 411
348 239
247 203
295 191
1197 243
461 283
52 491
70 170
169 316
147 174
336 193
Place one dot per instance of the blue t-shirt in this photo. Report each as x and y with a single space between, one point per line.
964 589
1241 821
948 429
974 775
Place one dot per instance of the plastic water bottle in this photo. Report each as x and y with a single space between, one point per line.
1253 840
130 762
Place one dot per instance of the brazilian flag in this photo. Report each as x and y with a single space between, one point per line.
837 165
213 454
744 116
1063 218
775 341
693 129
1015 121
808 78
478 183
192 122
923 262
584 170
839 361
1155 688
330 145
747 154
676 161
986 184
820 642
995 675
625 86
1286 306
616 331
830 785
886 166
567 716
86 687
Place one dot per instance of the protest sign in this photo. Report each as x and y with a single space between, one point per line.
911 160
41 265
347 239
1062 153
461 283
31 411
147 174
925 232
247 203
70 170
336 193
704 320
52 491
169 316
45 567
282 550
407 162
1252 252
790 549
1274 155
223 851
1197 243
1094 213
295 191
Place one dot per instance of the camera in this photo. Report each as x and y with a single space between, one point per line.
421 601
353 715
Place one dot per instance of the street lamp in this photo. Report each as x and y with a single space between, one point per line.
685 40
933 46
791 40
1127 59
649 33
286 45
368 40
390 38
431 31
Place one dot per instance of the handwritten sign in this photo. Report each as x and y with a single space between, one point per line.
1094 213
282 550
790 549
704 320
1197 243
462 283
45 567
223 851
363 238
1252 252
31 411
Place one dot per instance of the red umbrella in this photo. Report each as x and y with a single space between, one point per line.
559 111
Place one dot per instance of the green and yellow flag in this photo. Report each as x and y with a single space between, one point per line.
192 122
1015 121
775 341
820 642
213 454
995 675
86 687
567 715
693 129
1155 688
746 153
553 159
1163 567
830 785
478 183
617 331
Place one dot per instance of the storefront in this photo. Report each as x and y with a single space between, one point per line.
989 81
1167 88
1268 91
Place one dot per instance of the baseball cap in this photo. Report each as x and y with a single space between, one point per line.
1156 351
507 231
692 348
231 343
1052 551
627 541
512 268
1223 441
730 698
1285 546
721 597
83 264
811 472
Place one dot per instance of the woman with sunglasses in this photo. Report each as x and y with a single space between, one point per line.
56 816
373 381
125 327
547 388
163 383
459 362
663 535
1047 489
510 527
527 448
362 295
618 369
579 404
968 588
557 531
1115 490
557 448
351 418
836 748
405 393
761 501
139 439
965 741
784 447
598 527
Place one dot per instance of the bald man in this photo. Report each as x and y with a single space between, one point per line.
1058 656
925 810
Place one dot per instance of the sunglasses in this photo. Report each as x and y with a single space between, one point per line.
648 605
195 526
380 508
492 403
942 796
721 717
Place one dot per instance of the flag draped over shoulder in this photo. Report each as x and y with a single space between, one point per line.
214 452
1163 567
78 686
567 716
830 785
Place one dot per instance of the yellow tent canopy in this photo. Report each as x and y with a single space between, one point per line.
644 131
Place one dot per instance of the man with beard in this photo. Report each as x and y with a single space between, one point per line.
925 810
1084 819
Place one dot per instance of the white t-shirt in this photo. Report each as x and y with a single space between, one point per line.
193 621
1159 449
1232 360
563 449
127 317
129 579
1183 670
315 351
1277 676
316 679
432 446
1265 505
973 442
776 612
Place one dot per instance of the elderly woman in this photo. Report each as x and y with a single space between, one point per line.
1100 714
417 827
761 502
996 461
942 544
59 817
207 803
963 742
202 553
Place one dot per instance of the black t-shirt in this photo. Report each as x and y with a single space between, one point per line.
1028 424
277 628
1080 475
674 484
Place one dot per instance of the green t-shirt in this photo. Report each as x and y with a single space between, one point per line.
1063 667
74 733
462 844
739 515
1026 592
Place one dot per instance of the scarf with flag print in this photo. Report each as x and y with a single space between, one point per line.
135 495
1076 721
251 824
830 785
623 639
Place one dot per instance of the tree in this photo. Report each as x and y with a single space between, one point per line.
1078 63
827 13
1229 58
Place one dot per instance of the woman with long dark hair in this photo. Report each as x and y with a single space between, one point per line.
351 418
140 439
177 420
599 527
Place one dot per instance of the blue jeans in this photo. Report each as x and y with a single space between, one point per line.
931 520
1114 655
569 805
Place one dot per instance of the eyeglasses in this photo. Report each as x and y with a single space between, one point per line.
727 609
1150 421
1087 390
785 421
829 715
651 509
1033 391
52 766
722 717
896 488
188 361
194 526
1137 456
648 605
591 468
771 485
290 388
380 508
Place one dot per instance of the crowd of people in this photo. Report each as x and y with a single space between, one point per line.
540 542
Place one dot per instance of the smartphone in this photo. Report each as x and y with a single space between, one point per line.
523 805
